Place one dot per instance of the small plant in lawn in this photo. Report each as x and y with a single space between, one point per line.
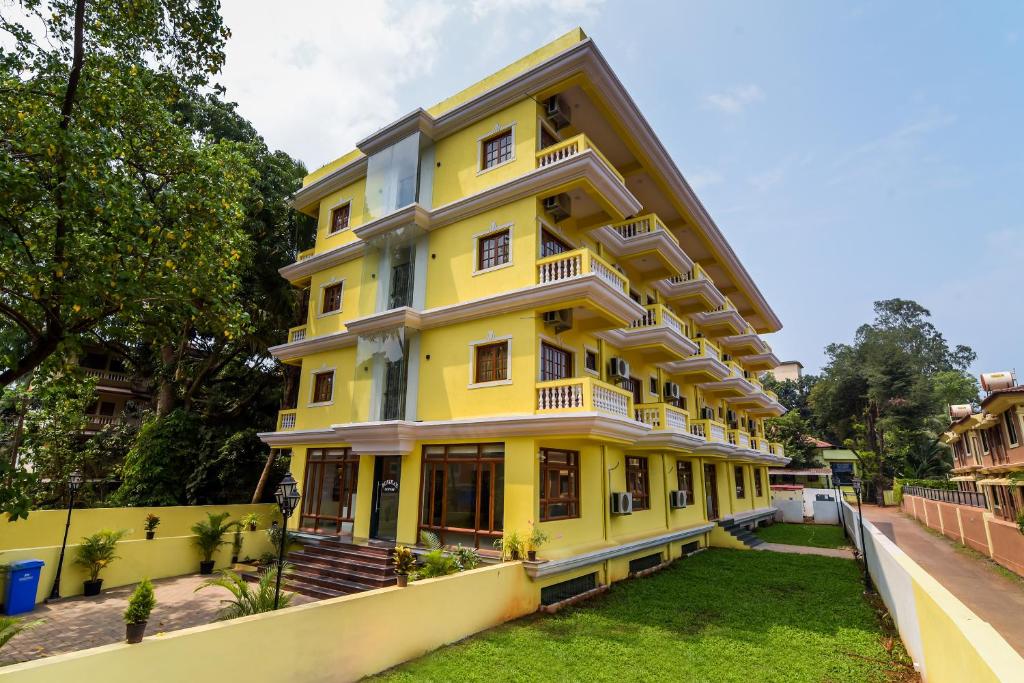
152 522
140 605
511 546
535 540
247 598
209 537
96 553
251 520
404 561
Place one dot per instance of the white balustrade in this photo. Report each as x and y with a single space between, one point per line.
607 274
649 416
560 397
288 421
298 335
607 400
565 268
717 432
698 430
675 420
560 153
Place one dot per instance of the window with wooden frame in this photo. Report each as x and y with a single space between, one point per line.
1011 428
652 383
491 362
684 479
637 482
559 484
551 245
323 386
758 484
496 149
462 498
329 494
493 250
984 440
332 298
339 217
741 486
591 362
555 363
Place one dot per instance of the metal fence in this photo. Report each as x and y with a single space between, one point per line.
971 498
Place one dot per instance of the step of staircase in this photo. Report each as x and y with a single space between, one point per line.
747 538
327 567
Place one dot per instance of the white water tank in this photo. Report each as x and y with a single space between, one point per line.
992 381
959 411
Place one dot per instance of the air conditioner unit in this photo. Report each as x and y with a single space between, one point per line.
622 503
677 499
560 320
672 391
557 112
730 416
559 206
618 368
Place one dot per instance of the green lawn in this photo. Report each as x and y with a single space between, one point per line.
723 615
814 535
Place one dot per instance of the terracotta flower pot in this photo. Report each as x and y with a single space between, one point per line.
134 632
150 535
206 566
93 587
403 580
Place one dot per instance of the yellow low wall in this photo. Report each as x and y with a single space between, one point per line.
171 553
342 639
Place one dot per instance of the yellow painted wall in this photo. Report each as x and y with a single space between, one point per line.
355 194
353 298
351 401
171 553
341 639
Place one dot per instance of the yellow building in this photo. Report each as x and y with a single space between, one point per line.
520 313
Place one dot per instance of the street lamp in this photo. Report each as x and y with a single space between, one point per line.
839 504
74 483
287 496
863 541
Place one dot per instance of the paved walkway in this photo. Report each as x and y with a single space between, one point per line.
845 553
80 623
995 598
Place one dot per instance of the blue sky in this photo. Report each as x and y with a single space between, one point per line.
849 152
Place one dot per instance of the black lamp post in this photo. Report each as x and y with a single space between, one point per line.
287 496
839 504
863 541
74 483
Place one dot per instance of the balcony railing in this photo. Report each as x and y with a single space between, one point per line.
772 395
640 226
297 334
777 449
567 149
659 315
303 255
710 430
662 416
695 273
108 375
971 498
728 305
286 420
738 437
761 444
577 263
706 349
583 394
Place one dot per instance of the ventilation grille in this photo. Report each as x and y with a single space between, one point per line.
567 589
689 548
645 562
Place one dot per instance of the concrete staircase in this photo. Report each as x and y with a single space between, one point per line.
741 534
327 568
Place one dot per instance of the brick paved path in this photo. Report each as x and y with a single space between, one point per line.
80 623
845 553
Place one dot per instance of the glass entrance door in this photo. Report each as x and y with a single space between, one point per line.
387 476
711 491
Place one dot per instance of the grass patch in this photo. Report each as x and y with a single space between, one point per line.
723 615
813 535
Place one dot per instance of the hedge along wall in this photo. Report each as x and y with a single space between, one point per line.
341 639
171 553
947 641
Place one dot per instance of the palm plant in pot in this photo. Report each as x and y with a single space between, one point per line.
536 539
405 562
251 520
511 546
209 537
96 553
236 541
152 522
140 605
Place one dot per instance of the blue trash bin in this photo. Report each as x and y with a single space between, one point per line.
22 585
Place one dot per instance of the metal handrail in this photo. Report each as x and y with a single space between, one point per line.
971 498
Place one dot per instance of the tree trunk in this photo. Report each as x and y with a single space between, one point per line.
257 495
166 398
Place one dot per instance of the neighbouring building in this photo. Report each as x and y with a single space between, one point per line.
121 395
520 313
836 466
788 370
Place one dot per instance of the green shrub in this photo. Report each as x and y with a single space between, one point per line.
404 560
140 604
925 483
467 558
210 534
436 563
152 522
152 471
12 626
511 545
96 552
247 598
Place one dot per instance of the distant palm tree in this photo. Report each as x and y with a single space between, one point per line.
926 459
247 598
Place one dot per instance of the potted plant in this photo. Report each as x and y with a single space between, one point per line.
236 541
95 553
405 562
152 522
251 520
536 539
140 604
209 537
510 545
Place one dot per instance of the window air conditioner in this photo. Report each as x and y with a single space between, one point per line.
557 112
677 499
672 391
559 206
622 503
560 320
618 368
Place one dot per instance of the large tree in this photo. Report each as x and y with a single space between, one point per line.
883 395
114 213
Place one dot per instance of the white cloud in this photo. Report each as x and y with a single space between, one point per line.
734 100
704 178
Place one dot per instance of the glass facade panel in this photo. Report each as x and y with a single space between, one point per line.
462 499
399 175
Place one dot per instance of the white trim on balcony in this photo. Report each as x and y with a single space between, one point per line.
734 343
759 361
303 268
710 321
652 240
